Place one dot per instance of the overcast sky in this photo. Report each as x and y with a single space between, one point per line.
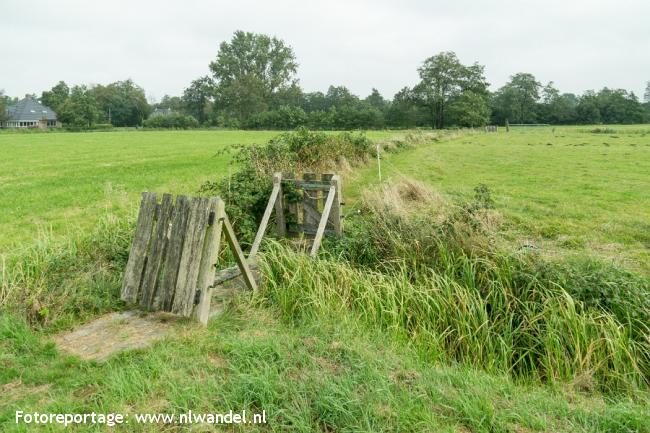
164 44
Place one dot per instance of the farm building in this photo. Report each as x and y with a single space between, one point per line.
162 112
29 113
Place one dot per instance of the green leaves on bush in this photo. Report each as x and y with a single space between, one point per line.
172 121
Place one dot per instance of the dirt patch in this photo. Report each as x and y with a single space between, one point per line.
17 390
115 332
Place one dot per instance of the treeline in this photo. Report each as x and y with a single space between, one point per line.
122 103
253 84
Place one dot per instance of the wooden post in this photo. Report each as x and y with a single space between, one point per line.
310 205
323 221
336 216
239 255
208 260
267 215
280 222
292 208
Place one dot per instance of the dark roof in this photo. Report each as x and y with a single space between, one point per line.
30 109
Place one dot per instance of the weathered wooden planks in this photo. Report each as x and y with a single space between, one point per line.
207 270
173 254
167 287
311 215
155 255
138 255
188 270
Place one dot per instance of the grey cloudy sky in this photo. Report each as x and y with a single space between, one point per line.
162 45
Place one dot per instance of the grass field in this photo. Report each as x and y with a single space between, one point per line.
63 181
326 346
562 189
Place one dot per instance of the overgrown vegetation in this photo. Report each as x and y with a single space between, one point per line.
55 283
171 121
437 273
246 192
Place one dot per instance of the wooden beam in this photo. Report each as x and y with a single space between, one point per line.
267 215
310 203
280 221
323 221
208 260
336 217
239 255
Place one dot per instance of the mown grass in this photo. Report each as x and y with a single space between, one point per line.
62 182
561 190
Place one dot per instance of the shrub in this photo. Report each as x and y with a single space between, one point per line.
246 192
101 126
173 121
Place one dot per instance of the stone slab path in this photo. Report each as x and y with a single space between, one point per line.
115 332
126 330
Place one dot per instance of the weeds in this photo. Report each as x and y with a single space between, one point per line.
53 283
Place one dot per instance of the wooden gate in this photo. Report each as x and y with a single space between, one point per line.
171 266
309 207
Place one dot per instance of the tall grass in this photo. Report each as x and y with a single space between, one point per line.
436 273
57 281
530 332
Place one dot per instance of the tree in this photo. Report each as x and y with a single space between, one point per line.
620 106
516 102
557 108
442 78
55 97
249 70
174 103
3 106
79 109
198 97
587 110
339 97
469 109
646 95
376 100
122 103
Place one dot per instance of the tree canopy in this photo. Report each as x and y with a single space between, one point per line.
442 80
249 70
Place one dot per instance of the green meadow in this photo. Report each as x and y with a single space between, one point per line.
561 190
62 182
564 189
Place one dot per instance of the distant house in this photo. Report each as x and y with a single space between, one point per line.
161 112
29 113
